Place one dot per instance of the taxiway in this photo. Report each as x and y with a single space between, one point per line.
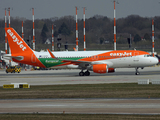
59 77
86 106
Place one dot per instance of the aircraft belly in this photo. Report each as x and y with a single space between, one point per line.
127 63
59 67
122 63
66 67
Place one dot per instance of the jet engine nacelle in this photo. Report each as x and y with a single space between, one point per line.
102 68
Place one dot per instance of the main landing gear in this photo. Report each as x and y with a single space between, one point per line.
137 72
87 73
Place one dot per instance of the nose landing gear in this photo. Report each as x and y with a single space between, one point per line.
137 72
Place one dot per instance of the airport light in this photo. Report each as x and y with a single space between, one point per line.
5 32
115 24
84 28
22 31
53 38
76 31
33 30
153 37
9 22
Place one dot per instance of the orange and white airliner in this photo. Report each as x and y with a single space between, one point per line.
96 61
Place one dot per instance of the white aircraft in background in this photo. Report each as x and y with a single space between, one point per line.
96 61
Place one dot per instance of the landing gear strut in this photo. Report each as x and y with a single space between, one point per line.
86 73
137 72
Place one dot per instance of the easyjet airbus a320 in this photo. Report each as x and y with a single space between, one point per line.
96 61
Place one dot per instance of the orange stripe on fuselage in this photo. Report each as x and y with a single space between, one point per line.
114 55
108 56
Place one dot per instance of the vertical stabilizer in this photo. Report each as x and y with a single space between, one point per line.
20 51
16 43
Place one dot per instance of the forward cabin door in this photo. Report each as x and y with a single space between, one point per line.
136 57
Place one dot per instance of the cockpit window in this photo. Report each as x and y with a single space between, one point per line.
147 55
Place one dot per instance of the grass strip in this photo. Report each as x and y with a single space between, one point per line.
113 90
77 117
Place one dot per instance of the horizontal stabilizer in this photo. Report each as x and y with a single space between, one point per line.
9 57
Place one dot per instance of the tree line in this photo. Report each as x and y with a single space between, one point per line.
99 29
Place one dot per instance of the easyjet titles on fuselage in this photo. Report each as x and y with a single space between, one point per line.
121 54
16 40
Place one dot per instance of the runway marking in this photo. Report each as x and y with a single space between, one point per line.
53 105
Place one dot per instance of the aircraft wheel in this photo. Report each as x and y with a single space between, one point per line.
81 74
87 73
137 72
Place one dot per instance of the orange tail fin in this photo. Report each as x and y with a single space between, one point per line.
16 43
20 51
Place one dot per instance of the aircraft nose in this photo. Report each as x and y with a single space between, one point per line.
156 60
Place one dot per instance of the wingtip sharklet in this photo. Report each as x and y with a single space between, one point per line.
51 54
75 49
